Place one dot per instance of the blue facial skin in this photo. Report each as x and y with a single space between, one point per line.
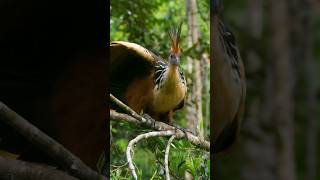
174 60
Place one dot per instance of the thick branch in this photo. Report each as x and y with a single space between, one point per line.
138 138
166 157
47 145
160 126
156 125
15 169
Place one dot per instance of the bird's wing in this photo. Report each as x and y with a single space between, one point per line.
121 49
129 62
160 69
228 87
180 105
183 79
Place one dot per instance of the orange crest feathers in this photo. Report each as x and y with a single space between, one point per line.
175 39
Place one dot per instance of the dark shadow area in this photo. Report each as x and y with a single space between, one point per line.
54 73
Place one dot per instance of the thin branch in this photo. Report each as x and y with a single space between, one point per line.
16 169
114 115
127 108
138 138
117 167
166 157
46 144
160 126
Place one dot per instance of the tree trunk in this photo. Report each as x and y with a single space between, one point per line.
258 138
311 93
194 105
282 91
303 35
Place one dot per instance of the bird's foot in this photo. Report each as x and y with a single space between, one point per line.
150 120
184 130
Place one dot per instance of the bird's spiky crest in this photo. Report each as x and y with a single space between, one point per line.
175 39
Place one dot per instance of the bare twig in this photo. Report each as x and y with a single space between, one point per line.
117 167
46 144
156 125
166 157
16 169
114 115
138 138
127 108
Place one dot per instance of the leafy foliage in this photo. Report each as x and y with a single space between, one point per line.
148 156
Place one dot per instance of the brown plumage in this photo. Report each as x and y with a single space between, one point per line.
228 84
145 82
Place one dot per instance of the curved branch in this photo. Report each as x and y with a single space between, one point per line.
138 138
46 144
16 169
166 157
160 126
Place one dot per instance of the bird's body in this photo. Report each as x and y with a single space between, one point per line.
146 82
228 85
171 89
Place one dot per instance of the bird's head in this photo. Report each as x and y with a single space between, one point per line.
175 51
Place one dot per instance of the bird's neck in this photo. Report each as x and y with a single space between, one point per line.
171 77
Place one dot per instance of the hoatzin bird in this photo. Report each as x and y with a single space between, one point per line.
228 83
146 82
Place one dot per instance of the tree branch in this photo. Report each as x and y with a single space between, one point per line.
16 169
166 157
138 138
163 130
46 144
127 108
160 126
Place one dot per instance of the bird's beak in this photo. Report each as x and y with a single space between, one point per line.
175 60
